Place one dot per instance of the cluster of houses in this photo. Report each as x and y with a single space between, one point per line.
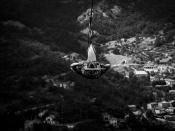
156 64
162 81
163 107
46 121
162 75
54 82
50 121
110 120
157 72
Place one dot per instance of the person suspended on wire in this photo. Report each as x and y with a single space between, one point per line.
90 68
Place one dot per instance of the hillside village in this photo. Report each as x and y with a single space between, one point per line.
142 59
138 93
146 59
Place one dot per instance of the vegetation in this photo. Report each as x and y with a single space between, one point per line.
138 17
50 32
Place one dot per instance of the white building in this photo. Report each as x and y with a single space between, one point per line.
140 73
164 104
151 68
152 105
113 122
170 82
159 111
132 107
153 78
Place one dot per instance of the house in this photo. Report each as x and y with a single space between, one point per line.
132 107
164 104
87 30
152 105
113 122
140 73
150 68
137 112
74 56
70 126
170 82
50 119
134 110
66 57
126 74
170 110
66 85
159 111
106 117
153 78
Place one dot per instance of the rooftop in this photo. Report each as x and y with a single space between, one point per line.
140 72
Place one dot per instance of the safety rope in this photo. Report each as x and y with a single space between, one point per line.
90 25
